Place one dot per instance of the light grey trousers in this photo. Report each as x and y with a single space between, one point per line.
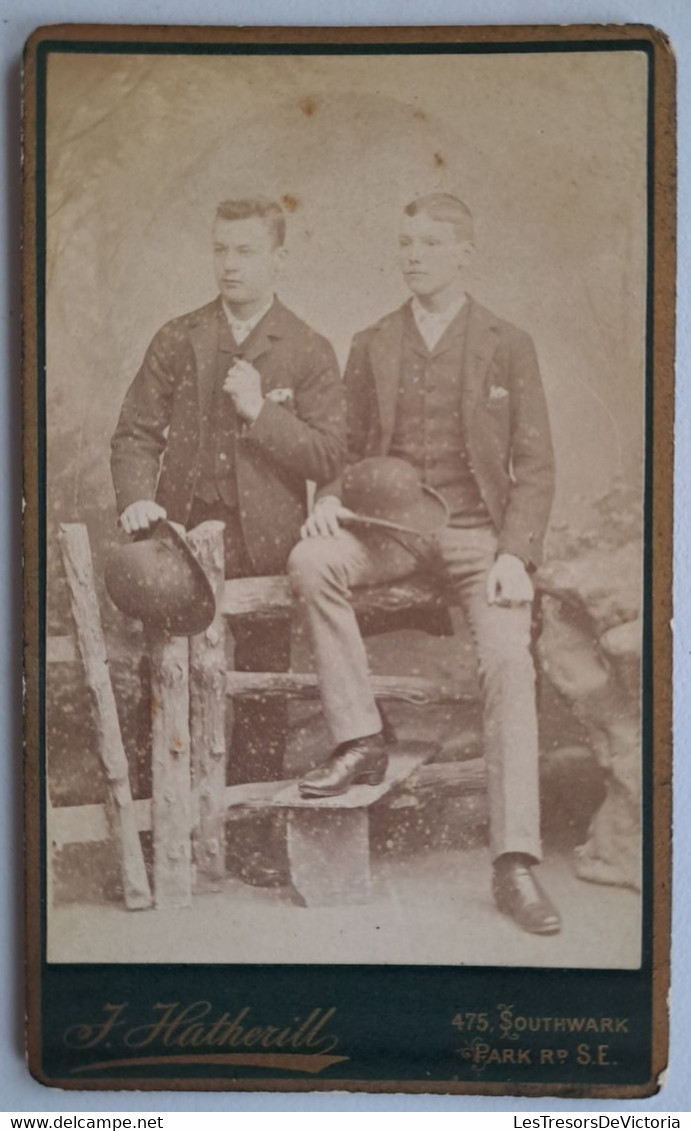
323 571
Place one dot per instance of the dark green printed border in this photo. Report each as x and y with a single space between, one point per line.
392 1022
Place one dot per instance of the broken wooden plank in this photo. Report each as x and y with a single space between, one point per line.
171 808
305 685
207 713
76 553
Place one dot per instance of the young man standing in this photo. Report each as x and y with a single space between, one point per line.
235 407
455 391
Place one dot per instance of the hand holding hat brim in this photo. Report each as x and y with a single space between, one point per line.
157 579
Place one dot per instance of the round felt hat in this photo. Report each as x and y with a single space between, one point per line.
387 492
158 580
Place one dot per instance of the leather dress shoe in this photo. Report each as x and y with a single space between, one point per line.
362 761
517 893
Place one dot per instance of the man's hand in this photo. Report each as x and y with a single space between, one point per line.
508 582
323 520
140 516
244 385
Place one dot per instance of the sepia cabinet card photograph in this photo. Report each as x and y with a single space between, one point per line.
348 371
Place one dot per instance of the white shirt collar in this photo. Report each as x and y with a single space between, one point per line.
431 323
243 327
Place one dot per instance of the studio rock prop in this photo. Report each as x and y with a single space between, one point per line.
590 649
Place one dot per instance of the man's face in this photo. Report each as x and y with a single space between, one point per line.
245 260
431 254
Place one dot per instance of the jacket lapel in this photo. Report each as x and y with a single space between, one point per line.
481 342
386 353
457 328
271 327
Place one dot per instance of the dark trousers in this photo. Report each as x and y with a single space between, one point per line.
260 726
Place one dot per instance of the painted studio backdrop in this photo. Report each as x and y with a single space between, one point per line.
548 151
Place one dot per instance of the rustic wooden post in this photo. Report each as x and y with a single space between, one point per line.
74 543
171 810
207 713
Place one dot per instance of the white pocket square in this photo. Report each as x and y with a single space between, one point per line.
497 393
281 396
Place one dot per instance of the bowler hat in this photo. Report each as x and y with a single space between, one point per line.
158 580
386 492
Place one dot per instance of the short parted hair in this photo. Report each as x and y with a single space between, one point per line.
446 208
267 210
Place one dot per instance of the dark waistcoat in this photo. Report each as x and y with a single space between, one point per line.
428 428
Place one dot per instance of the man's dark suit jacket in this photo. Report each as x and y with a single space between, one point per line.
274 457
504 415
